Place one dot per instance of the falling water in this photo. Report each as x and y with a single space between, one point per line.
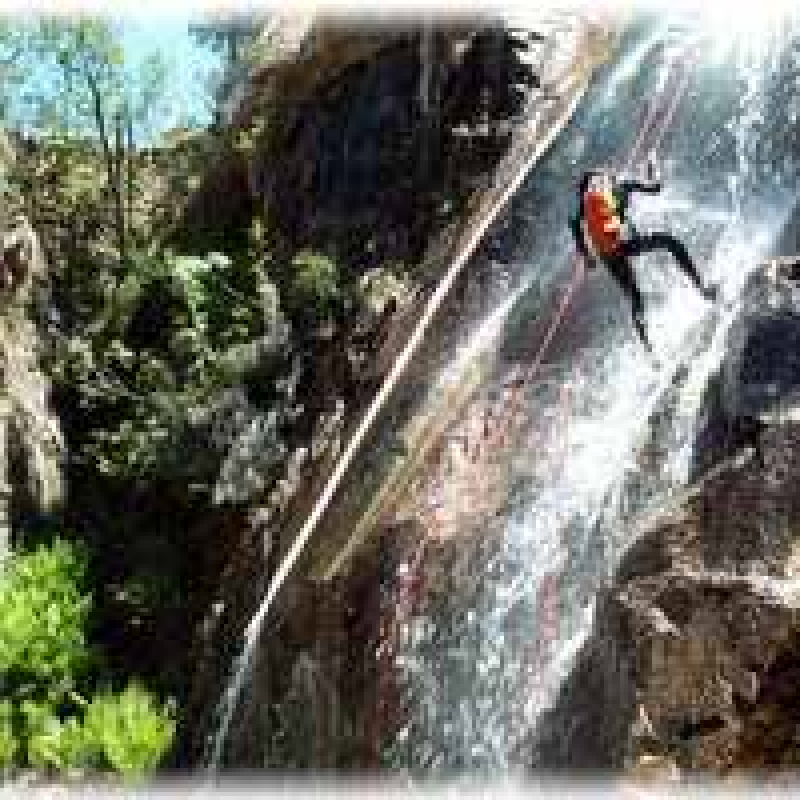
484 660
479 667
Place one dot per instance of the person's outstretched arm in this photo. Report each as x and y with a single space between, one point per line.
638 185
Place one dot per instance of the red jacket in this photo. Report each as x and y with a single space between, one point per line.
603 225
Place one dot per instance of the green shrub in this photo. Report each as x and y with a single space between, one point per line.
45 660
174 334
133 733
314 288
125 732
43 615
53 743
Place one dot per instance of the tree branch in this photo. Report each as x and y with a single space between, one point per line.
97 102
113 183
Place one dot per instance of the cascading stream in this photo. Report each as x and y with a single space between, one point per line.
483 663
479 665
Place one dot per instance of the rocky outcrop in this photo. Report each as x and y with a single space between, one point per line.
356 152
693 661
32 441
695 637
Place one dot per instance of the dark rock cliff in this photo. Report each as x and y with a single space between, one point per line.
370 142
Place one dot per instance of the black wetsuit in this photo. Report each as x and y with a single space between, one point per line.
633 244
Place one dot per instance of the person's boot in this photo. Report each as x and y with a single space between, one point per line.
646 342
639 325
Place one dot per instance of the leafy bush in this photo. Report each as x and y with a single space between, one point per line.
125 732
56 744
314 288
43 614
176 331
45 665
131 730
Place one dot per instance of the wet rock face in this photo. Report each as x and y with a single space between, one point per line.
362 158
365 156
760 374
371 160
686 662
710 595
695 657
705 649
314 684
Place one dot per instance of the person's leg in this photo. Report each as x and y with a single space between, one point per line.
622 271
647 243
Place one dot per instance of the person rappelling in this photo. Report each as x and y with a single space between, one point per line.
604 234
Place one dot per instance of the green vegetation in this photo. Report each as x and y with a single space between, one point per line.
195 329
130 729
157 310
93 99
170 337
44 616
49 717
314 287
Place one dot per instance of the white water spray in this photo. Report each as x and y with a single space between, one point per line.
579 523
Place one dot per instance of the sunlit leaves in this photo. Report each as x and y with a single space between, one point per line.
43 613
130 729
314 284
46 660
8 742
67 63
56 744
178 330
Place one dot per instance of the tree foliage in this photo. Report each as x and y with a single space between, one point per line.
178 330
314 290
234 35
90 96
231 34
176 363
129 728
